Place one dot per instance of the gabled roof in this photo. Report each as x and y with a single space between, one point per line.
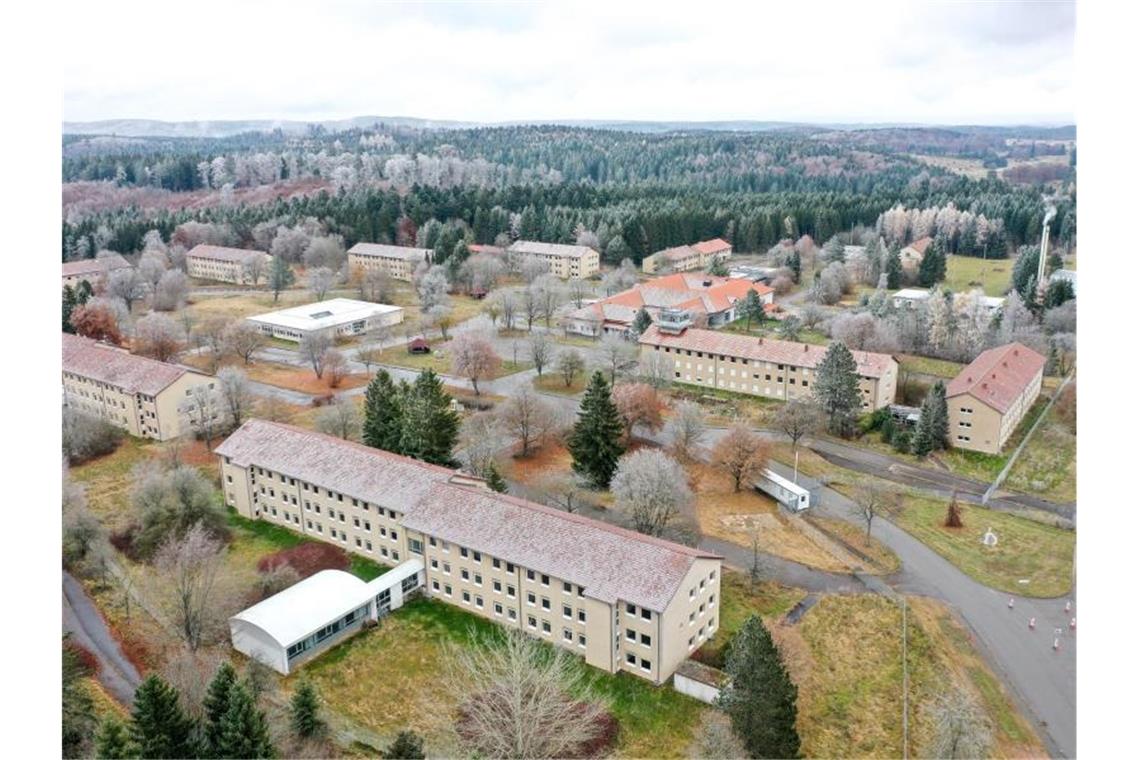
867 364
222 253
95 266
678 253
610 563
921 244
697 292
550 249
391 251
998 376
116 367
716 245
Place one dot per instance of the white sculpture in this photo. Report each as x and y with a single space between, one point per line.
990 539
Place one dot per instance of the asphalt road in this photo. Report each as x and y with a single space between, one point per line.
82 620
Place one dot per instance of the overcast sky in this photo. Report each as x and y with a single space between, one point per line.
865 61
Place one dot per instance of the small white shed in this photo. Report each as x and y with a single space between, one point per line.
312 615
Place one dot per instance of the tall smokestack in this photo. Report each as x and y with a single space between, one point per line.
1049 214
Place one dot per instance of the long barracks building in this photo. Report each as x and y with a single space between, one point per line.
620 599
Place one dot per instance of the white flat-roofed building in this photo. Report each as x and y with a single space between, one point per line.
294 625
338 317
910 298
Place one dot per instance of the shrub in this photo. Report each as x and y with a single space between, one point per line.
84 657
86 437
306 559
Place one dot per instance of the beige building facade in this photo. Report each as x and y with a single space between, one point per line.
398 261
144 397
990 396
94 271
568 262
774 369
619 599
240 266
686 258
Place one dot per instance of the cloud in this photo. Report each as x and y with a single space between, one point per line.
843 62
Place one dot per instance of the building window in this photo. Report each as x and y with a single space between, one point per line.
567 634
546 580
582 640
463 551
467 597
497 587
416 546
530 598
545 603
530 575
630 609
646 614
511 591
447 590
530 621
630 634
567 612
567 588
498 609
495 563
435 585
646 640
546 627
645 665
581 616
464 574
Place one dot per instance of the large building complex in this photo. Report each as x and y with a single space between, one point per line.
685 258
764 367
622 600
94 271
398 261
705 299
240 266
336 317
574 262
147 398
990 396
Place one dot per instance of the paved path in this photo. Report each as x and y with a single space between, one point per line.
82 620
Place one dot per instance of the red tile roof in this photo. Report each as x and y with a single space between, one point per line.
611 563
222 253
998 376
715 245
95 266
116 367
683 290
921 244
762 349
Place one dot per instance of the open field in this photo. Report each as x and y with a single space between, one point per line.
439 360
301 379
1047 466
552 382
924 365
1026 550
885 561
967 167
964 273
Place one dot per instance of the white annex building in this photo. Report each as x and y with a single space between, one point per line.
310 616
336 316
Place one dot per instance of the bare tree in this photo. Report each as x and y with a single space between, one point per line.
320 281
508 306
233 385
578 290
335 366
126 285
152 265
433 288
377 285
656 368
740 453
482 438
157 336
570 364
562 489
540 350
340 418
797 419
312 347
212 333
190 565
637 403
171 292
528 417
520 699
650 488
274 409
369 355
549 295
615 352
325 251
532 268
253 267
243 339
869 502
685 429
203 407
961 728
715 739
531 304
473 357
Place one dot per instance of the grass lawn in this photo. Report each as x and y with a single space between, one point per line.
964 273
1026 549
106 481
439 360
553 382
575 341
394 677
1047 466
885 560
924 365
301 379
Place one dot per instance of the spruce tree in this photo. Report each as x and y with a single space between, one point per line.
932 269
760 699
495 479
280 276
893 268
304 711
382 415
641 321
922 442
595 441
215 706
245 731
112 742
796 266
78 709
430 428
69 304
940 418
159 728
837 389
407 745
752 309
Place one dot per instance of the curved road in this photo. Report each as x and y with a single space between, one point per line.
82 620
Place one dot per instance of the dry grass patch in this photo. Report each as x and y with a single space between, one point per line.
885 561
1047 466
552 382
965 273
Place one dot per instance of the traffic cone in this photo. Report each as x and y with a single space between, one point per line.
1056 644
1068 605
1073 624
1010 603
1032 623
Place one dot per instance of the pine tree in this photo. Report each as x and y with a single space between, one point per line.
280 276
932 269
112 741
761 698
922 442
77 707
595 441
495 480
752 308
408 745
887 430
641 321
1058 292
304 711
382 413
245 731
159 728
430 428
893 268
796 266
69 304
215 706
837 388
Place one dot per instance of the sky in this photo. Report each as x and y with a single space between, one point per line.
704 60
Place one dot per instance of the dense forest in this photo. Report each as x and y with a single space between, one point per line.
385 184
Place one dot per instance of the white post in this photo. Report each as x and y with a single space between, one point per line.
796 470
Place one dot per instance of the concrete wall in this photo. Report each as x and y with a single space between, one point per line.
696 689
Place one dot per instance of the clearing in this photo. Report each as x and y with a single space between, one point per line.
1047 466
964 273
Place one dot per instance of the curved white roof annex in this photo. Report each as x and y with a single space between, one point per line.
304 607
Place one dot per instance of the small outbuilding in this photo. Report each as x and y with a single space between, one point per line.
419 346
295 625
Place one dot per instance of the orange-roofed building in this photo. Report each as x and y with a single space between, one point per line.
705 299
686 258
988 399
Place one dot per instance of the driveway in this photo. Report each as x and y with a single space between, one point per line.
82 620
